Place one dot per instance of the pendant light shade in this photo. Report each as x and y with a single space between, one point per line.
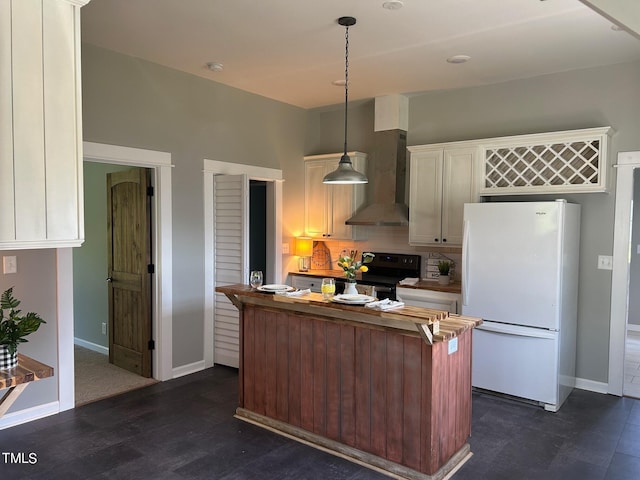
345 173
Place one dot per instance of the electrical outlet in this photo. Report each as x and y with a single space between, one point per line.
104 328
285 248
605 262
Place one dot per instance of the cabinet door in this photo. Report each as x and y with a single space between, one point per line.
425 197
340 211
40 131
458 188
316 199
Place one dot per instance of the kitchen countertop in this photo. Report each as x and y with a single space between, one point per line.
453 287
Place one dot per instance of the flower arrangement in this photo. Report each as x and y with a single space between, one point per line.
351 266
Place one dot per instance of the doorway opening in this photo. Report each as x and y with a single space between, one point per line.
631 386
159 163
231 192
624 282
109 359
258 227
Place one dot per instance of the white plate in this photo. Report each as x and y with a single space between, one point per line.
275 288
354 299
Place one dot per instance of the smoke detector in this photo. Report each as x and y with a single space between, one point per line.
392 4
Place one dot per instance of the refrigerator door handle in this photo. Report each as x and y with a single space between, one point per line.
517 330
465 262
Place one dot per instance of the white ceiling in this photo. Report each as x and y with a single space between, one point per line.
292 50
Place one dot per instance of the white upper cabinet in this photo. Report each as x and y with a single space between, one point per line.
441 181
327 207
40 124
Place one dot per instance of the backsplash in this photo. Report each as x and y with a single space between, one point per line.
427 272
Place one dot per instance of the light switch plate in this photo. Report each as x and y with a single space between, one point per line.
285 248
9 264
605 262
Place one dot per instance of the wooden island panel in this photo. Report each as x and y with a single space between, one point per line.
381 391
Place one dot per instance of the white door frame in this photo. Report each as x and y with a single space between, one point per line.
160 163
212 168
627 162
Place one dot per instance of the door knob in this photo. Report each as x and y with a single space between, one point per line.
109 279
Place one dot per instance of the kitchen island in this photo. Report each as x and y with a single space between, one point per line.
387 389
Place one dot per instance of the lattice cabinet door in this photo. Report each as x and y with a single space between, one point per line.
559 162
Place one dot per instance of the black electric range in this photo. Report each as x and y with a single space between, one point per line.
385 271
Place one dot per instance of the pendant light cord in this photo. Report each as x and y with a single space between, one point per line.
346 83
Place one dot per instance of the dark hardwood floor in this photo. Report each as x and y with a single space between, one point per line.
184 429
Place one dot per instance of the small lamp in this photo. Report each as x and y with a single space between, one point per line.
304 250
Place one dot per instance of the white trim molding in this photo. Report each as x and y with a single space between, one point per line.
212 168
29 414
627 162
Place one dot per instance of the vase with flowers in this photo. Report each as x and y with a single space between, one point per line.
352 264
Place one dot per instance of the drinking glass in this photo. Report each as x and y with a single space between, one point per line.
255 279
328 288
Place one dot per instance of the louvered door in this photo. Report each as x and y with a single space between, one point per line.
231 253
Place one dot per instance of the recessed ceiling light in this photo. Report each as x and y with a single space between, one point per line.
459 59
338 83
617 28
214 66
392 4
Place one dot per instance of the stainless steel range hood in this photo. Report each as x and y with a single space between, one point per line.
387 167
387 172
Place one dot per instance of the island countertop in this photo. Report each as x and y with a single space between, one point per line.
442 325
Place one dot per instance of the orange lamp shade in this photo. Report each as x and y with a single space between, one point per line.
303 247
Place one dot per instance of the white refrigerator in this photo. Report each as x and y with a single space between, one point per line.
520 275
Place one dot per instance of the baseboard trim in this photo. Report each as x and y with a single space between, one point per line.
188 369
91 346
592 385
29 414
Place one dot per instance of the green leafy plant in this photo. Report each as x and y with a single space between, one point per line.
14 327
443 267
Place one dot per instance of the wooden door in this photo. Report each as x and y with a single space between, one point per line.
129 267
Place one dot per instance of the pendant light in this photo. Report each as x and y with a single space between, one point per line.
345 173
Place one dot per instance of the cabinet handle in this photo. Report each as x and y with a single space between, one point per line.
444 240
436 240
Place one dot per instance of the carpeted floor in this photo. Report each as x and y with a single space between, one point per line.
96 378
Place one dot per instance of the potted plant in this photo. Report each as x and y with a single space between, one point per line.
14 327
443 267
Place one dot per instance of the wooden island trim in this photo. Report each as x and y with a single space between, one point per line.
359 383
